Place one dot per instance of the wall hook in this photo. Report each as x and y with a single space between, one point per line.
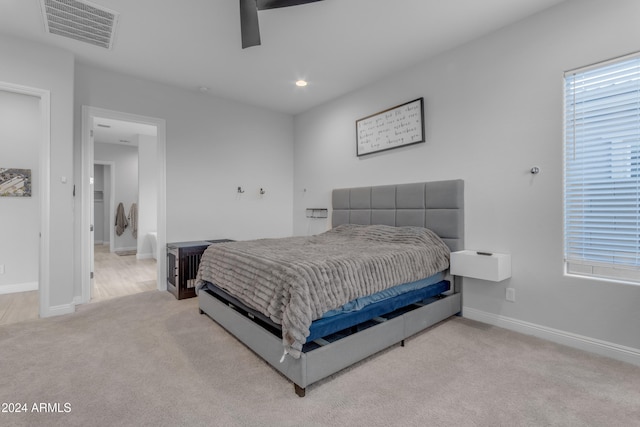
240 190
262 191
535 170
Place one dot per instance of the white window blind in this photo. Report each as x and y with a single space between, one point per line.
602 170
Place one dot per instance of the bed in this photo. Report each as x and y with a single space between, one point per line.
339 317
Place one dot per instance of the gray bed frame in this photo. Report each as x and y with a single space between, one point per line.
437 205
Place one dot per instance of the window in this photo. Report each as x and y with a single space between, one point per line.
602 170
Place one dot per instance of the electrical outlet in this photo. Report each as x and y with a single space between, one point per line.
511 295
1 268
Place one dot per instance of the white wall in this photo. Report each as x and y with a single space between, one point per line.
212 146
125 159
493 110
20 138
34 65
148 192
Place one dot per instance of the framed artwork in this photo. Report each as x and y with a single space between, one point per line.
15 182
392 128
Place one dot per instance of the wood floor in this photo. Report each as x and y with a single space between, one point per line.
18 307
114 276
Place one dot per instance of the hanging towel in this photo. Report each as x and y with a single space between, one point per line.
121 220
133 220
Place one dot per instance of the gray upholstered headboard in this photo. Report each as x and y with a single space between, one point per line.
437 205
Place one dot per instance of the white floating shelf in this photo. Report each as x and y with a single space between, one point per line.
317 213
494 267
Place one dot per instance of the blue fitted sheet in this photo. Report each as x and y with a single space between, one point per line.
356 311
328 325
360 303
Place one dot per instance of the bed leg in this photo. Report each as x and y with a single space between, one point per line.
299 390
402 343
200 310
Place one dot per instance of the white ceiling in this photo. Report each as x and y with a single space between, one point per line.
337 45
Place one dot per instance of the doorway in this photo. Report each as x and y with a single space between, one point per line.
124 175
117 272
40 166
138 128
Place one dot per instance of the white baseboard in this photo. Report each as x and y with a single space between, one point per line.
593 345
144 256
18 287
129 248
59 310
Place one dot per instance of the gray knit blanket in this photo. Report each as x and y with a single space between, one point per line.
295 280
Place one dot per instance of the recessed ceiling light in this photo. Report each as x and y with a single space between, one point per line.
301 83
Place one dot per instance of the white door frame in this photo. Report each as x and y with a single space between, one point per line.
111 220
112 199
44 184
88 115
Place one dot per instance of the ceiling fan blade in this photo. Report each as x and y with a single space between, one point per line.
249 23
273 4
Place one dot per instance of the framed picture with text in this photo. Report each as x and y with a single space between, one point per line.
392 128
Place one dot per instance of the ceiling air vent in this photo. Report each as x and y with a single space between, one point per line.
80 20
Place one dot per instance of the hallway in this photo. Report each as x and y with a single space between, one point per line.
115 276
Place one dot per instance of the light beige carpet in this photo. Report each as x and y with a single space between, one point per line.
149 359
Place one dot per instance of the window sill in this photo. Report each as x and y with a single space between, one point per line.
608 279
